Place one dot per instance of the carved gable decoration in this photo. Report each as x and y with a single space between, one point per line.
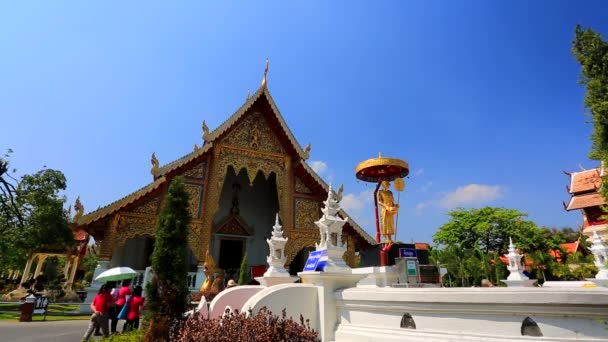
234 226
306 213
253 132
149 207
300 187
197 171
195 192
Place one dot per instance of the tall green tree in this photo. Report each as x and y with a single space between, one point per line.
591 51
168 291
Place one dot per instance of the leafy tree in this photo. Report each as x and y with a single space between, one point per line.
9 209
591 51
488 228
168 290
43 221
244 273
542 262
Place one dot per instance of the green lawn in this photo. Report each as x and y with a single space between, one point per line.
52 307
14 316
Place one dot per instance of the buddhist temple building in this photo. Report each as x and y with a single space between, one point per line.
247 170
584 190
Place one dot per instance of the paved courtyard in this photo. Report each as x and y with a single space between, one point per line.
58 331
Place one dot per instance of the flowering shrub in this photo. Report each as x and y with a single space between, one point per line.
236 327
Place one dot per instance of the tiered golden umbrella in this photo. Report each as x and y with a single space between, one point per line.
377 170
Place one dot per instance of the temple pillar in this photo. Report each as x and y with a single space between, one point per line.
74 266
66 268
41 258
28 267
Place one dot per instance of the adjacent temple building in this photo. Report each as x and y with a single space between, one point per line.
584 190
247 170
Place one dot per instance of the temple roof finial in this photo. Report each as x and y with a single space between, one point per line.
205 131
265 73
248 95
154 163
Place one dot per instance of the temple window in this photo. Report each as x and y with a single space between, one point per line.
530 328
407 322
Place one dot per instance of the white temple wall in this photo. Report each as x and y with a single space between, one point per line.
296 299
471 314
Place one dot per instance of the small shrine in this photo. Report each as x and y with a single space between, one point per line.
516 278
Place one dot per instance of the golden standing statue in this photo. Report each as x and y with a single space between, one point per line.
388 210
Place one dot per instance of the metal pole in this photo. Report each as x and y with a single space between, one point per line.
397 218
376 212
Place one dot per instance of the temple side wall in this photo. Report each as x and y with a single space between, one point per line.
471 314
296 299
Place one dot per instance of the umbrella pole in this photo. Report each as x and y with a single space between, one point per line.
397 218
376 212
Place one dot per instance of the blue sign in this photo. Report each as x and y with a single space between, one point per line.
313 259
316 261
407 253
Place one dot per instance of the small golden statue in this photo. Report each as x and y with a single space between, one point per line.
214 282
388 211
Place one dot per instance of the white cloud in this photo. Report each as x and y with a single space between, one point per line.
426 186
467 195
318 166
471 194
355 203
418 172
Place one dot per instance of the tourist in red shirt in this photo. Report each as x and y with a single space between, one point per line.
121 299
136 302
100 307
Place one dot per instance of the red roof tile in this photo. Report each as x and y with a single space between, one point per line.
585 201
588 180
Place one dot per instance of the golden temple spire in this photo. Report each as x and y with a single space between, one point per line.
154 163
79 208
265 73
205 131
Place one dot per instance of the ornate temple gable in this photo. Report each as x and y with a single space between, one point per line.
150 206
234 226
197 171
195 192
260 101
121 203
306 212
300 187
253 132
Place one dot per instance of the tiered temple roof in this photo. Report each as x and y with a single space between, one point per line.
584 186
261 98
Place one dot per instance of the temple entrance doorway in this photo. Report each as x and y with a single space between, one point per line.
231 253
244 220
134 253
298 262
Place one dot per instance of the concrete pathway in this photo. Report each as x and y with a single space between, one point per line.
58 331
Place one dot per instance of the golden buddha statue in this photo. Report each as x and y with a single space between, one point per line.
388 210
214 281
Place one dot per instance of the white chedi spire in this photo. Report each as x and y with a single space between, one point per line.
600 255
330 229
515 266
276 260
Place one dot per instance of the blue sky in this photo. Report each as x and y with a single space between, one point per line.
480 97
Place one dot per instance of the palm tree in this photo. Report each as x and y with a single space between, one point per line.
542 261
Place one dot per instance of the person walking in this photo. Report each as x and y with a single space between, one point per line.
121 299
136 302
100 307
